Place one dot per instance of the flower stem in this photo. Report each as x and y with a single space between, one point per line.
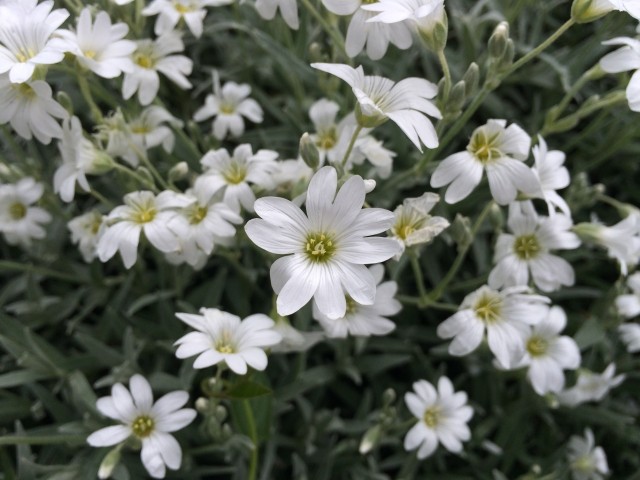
447 75
417 273
253 434
347 153
88 97
333 32
127 171
462 253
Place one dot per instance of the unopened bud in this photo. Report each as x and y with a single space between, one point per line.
457 97
309 151
471 79
585 11
109 462
388 397
178 172
496 217
221 413
145 173
460 231
498 41
202 405
101 163
370 439
434 30
508 56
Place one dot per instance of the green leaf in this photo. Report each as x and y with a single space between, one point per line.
246 390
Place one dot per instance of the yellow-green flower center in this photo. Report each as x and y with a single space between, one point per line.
224 343
197 214
484 148
235 173
142 426
319 247
431 417
488 308
327 140
145 215
584 464
526 247
25 90
91 54
144 60
408 223
352 305
181 8
537 346
24 55
227 108
95 226
17 211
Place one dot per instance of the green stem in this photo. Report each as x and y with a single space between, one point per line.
462 253
354 137
575 88
127 171
58 438
420 303
417 273
253 434
333 32
88 97
27 268
447 75
154 172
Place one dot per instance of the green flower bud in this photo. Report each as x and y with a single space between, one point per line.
471 79
109 462
498 41
434 32
309 151
585 11
178 172
370 439
457 96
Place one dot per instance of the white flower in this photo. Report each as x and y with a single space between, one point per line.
376 36
413 224
506 316
223 337
229 104
364 320
628 305
20 221
423 15
587 462
288 9
233 174
99 46
204 223
526 250
79 157
371 149
142 212
591 386
547 353
622 60
552 176
151 57
120 142
148 130
442 418
498 149
170 12
30 109
290 173
85 231
327 248
26 39
294 340
148 421
630 336
405 103
632 7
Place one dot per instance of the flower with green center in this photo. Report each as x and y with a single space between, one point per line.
537 346
586 460
442 416
500 151
170 12
223 337
20 221
326 249
591 386
503 315
151 423
17 210
85 231
525 253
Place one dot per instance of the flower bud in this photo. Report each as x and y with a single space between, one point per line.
178 172
101 163
457 97
109 462
388 396
309 151
471 79
202 405
370 439
585 11
434 30
498 41
460 231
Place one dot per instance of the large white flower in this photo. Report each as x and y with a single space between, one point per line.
586 461
223 337
622 60
406 103
361 32
547 353
506 317
100 46
442 416
326 249
142 212
148 421
20 221
151 57
26 38
170 12
365 320
229 104
628 305
500 151
233 174
552 175
85 231
288 9
591 386
30 109
527 249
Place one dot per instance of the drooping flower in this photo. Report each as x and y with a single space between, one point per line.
591 386
326 249
31 110
628 305
142 212
365 320
26 39
527 250
442 416
21 221
500 151
150 422
294 340
170 12
586 461
413 223
552 176
504 316
85 232
223 337
151 57
622 60
361 32
547 353
100 46
151 128
406 103
288 9
229 104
